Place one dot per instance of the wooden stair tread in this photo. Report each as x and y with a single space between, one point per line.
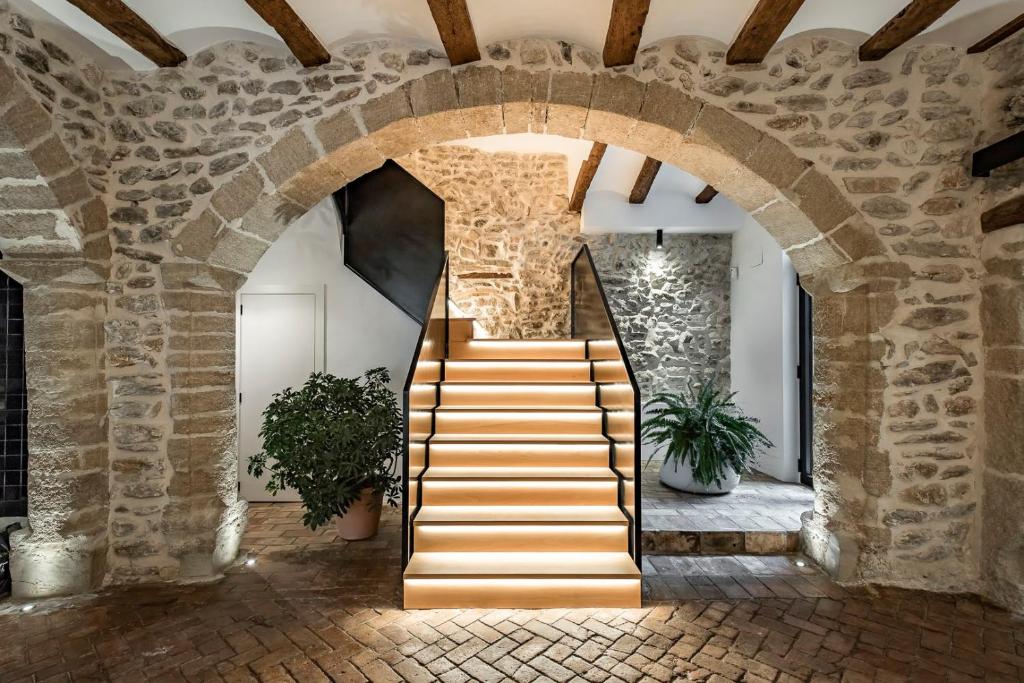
517 409
519 438
518 473
520 514
510 565
518 385
522 361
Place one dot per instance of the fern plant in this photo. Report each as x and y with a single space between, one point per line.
330 440
705 427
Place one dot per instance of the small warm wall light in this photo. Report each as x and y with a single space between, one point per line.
659 239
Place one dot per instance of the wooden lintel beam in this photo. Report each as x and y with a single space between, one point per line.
456 29
306 47
123 22
644 180
706 195
762 28
997 154
997 36
586 176
1010 212
912 19
625 27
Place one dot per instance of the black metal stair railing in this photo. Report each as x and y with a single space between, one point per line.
427 369
592 320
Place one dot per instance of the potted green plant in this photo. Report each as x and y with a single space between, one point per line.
708 441
336 442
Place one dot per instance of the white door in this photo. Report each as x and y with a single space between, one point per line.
280 342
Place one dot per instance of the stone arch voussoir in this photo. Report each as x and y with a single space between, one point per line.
47 207
830 244
798 204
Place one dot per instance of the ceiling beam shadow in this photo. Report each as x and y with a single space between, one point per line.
997 36
761 30
586 176
1000 153
456 29
912 19
306 47
706 195
644 180
123 22
1010 212
625 27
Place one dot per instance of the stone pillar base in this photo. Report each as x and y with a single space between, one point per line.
229 534
42 569
832 552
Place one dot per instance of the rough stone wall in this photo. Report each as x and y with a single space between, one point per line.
509 235
671 306
208 163
1002 311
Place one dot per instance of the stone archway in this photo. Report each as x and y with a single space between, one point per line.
831 246
202 167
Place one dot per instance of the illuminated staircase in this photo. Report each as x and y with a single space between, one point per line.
520 475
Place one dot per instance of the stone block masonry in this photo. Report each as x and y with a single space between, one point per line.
509 233
859 171
671 306
511 239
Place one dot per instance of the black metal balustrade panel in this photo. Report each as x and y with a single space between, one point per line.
13 402
393 229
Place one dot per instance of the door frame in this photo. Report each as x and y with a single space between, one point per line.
805 384
319 292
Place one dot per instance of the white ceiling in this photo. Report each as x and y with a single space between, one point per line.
669 206
196 24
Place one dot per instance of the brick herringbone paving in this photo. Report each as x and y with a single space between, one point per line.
313 608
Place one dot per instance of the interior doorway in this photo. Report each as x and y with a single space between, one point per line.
280 342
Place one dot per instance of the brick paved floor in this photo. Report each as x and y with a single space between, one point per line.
759 503
314 609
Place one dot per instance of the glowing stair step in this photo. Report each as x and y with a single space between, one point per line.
563 396
526 580
531 372
518 454
517 529
518 421
549 490
518 349
520 514
532 473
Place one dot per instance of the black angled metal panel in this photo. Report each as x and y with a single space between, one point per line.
393 228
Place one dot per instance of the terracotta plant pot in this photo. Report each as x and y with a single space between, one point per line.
680 477
363 516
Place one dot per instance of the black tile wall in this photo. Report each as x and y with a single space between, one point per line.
13 402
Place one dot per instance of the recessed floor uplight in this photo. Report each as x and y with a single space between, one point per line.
27 608
251 562
800 563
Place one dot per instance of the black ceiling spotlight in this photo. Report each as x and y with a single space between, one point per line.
659 239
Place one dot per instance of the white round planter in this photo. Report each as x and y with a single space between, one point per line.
681 477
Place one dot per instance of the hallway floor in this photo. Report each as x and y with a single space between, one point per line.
760 516
313 608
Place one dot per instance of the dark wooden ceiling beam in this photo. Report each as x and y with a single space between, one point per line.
997 154
124 23
456 29
762 28
644 180
625 27
997 36
706 195
912 19
1010 212
586 176
306 47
